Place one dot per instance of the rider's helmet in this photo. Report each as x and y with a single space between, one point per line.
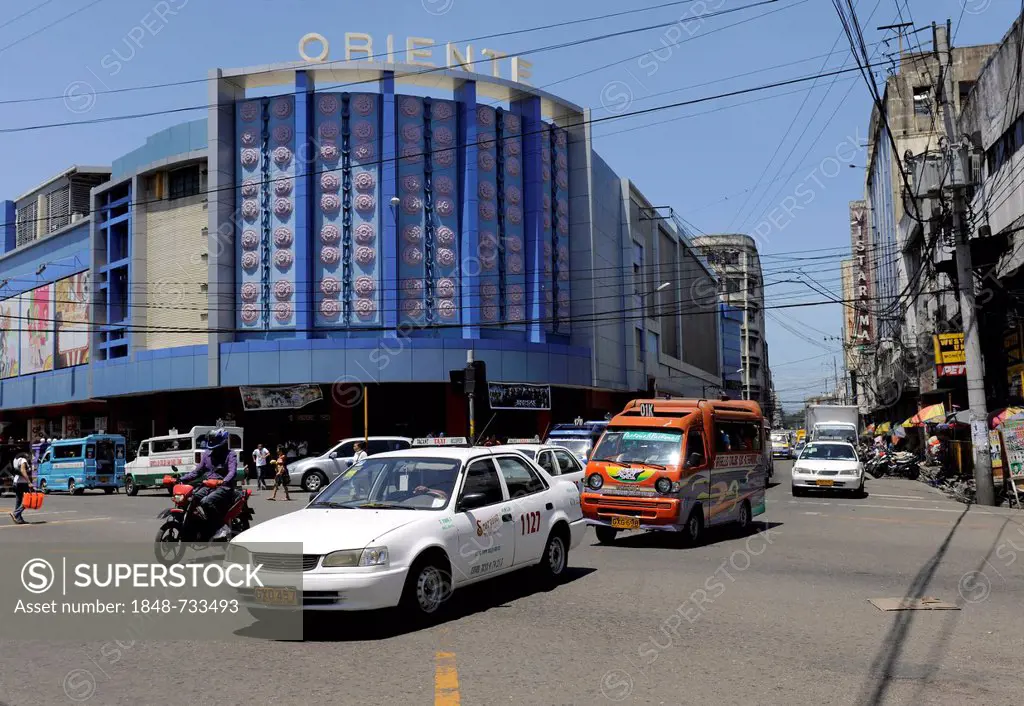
217 438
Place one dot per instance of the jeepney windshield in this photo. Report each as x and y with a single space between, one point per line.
661 447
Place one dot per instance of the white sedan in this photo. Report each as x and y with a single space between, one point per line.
555 460
405 528
828 465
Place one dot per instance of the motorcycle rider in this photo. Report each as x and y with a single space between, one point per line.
218 458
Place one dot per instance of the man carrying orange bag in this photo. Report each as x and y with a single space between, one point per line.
22 485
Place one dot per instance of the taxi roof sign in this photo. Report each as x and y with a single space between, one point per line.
533 440
442 441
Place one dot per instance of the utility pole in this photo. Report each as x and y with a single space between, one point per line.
957 154
746 326
472 391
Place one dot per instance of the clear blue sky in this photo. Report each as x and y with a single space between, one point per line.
704 166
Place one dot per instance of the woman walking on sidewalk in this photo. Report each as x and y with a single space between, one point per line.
281 478
22 484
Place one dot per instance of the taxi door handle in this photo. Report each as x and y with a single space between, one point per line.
506 517
549 506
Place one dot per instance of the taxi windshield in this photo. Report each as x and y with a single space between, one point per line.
580 447
780 439
407 483
829 452
640 446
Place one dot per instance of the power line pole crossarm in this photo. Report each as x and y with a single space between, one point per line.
957 151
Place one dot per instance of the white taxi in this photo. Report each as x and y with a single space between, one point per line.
406 528
555 460
828 465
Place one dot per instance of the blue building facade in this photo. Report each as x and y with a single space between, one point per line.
303 235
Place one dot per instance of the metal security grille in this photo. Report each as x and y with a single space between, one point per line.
26 224
80 196
58 209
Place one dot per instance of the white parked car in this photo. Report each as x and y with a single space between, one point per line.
314 473
406 528
555 460
828 465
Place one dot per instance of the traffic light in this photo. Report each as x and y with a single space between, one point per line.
475 377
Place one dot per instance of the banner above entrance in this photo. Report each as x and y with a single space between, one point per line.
504 395
289 397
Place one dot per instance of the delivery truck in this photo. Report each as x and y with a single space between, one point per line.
828 422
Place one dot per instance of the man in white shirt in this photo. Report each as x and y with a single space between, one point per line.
360 453
22 484
259 457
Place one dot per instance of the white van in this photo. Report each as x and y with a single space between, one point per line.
157 455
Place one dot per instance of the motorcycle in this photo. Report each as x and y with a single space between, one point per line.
184 525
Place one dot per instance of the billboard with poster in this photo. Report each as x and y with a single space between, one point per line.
37 330
71 304
10 329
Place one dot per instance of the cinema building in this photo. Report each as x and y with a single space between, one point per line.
330 228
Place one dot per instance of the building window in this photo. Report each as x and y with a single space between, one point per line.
922 100
965 91
184 182
638 343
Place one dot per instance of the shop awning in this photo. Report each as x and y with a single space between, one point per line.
931 414
1004 414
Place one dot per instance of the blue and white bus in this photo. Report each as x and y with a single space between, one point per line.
77 465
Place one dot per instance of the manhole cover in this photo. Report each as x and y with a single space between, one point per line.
927 603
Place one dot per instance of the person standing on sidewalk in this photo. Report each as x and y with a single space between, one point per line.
281 476
22 484
259 457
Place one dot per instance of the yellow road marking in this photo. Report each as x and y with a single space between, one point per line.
57 522
446 680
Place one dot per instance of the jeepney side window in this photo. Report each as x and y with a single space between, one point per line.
754 434
723 438
695 454
144 449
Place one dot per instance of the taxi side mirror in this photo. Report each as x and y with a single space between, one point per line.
334 454
695 459
472 501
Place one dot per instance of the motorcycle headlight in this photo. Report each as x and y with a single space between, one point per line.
179 498
663 485
595 481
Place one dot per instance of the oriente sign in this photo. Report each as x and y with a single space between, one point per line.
419 51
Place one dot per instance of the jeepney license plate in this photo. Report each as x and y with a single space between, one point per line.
276 596
104 479
626 522
825 483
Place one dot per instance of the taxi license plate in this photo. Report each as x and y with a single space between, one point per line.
825 483
626 522
277 596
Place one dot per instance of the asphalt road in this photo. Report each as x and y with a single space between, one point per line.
777 617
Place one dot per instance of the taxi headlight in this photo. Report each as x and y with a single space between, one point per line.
663 485
374 556
371 556
237 554
595 481
347 557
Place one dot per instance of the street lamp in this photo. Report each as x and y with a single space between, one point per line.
643 323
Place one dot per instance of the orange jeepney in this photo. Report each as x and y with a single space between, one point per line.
677 465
